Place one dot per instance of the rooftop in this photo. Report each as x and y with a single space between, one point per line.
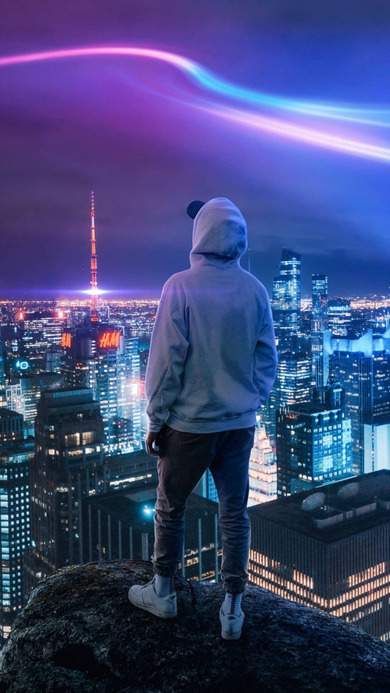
333 511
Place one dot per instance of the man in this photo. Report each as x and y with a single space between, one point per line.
212 363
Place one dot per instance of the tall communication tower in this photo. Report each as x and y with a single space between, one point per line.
94 287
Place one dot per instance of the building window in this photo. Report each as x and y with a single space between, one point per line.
88 437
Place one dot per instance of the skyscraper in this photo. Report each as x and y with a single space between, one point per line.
286 296
319 301
362 367
294 374
339 316
313 445
293 384
15 459
318 324
68 465
262 469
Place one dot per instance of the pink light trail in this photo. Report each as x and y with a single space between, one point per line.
248 118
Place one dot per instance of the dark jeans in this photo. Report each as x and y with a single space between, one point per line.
184 457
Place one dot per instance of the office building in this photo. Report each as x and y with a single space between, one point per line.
329 549
120 524
293 384
362 367
313 447
15 459
32 387
319 302
339 316
262 469
286 297
68 465
11 425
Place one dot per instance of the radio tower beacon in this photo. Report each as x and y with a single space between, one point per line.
94 287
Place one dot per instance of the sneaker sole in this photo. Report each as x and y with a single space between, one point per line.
151 609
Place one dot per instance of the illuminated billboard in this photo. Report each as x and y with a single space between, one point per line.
66 340
109 339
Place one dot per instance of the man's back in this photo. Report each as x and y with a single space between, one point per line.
214 337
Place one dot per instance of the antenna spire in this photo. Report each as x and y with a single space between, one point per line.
94 287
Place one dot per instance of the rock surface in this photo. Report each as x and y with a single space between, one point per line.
80 633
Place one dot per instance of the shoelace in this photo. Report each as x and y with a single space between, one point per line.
232 616
233 604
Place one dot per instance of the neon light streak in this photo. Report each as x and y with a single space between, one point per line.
207 80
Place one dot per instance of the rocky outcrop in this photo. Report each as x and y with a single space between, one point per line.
80 633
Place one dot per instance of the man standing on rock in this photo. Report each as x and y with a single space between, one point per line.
212 363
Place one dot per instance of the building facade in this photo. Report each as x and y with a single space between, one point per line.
68 465
313 446
329 549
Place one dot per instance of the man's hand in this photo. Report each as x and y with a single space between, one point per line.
151 439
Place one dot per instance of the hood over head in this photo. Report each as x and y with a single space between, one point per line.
219 232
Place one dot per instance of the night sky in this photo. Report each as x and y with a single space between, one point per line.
135 130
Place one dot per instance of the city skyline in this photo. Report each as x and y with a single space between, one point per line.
134 131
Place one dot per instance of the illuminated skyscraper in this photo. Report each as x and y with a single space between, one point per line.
93 359
68 465
318 324
339 316
286 297
319 301
262 469
32 388
362 367
329 549
15 459
313 445
129 388
293 384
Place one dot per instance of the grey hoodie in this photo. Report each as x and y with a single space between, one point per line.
212 359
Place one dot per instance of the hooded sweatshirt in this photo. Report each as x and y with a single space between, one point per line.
212 360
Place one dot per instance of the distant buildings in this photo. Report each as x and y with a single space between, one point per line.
329 549
99 357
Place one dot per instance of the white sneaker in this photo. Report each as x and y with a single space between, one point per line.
231 624
145 597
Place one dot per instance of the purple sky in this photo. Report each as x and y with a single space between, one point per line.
105 123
